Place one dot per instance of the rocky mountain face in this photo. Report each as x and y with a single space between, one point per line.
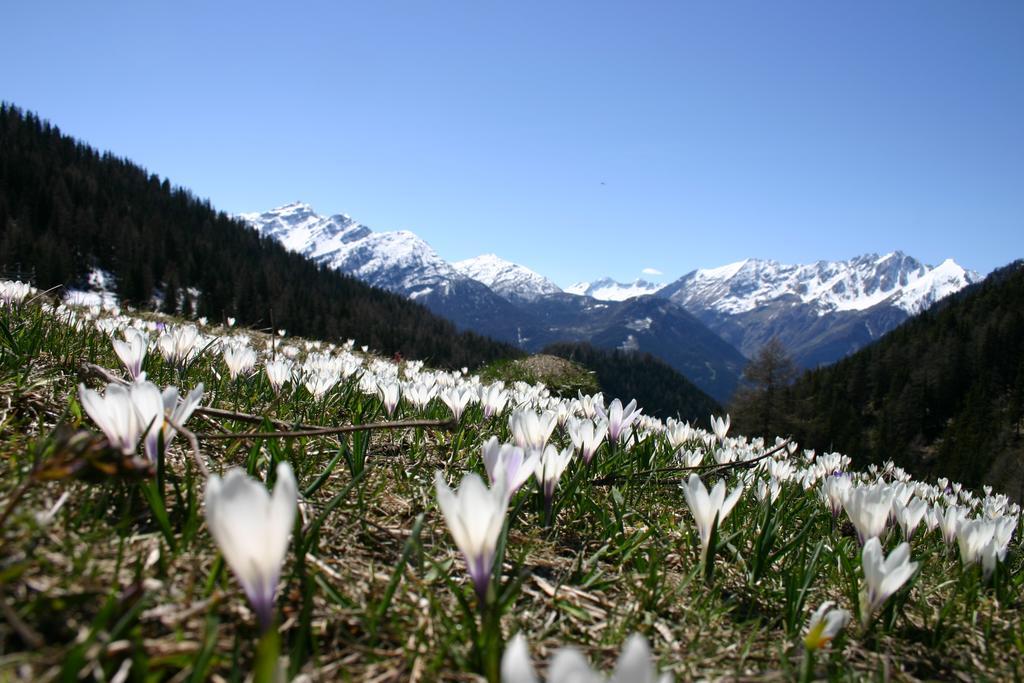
398 261
510 280
821 311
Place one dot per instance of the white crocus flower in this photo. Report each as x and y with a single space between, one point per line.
949 523
179 344
278 373
690 458
549 471
619 418
590 404
493 399
132 351
834 490
510 461
824 625
389 396
474 515
115 414
635 665
320 381
176 410
768 490
239 358
421 394
706 507
909 516
1005 527
252 530
883 576
720 427
973 536
15 292
457 400
531 430
149 403
679 433
587 437
868 509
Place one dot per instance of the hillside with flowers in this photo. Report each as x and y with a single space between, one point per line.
190 502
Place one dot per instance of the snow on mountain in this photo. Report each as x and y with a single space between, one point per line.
399 261
941 281
508 279
829 286
820 311
607 289
302 230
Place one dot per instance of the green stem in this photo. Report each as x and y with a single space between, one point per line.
268 650
491 644
807 666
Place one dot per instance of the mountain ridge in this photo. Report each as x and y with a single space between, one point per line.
821 311
511 280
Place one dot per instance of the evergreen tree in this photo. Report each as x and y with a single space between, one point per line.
757 407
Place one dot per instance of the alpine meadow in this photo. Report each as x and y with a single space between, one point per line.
575 342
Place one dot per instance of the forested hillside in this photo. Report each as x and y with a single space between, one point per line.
657 387
942 394
66 209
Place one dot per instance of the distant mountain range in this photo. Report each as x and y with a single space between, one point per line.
607 289
821 311
523 308
704 324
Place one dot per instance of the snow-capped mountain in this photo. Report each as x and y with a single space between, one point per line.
399 261
508 279
820 311
829 286
607 289
504 300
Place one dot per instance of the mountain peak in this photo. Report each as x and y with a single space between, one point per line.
607 289
853 285
510 280
300 229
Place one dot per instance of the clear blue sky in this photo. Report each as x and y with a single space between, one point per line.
579 138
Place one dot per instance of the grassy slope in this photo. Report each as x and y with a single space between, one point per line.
101 585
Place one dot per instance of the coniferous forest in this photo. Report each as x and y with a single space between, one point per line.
66 209
657 387
943 394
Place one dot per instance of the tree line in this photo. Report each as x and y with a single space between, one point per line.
942 395
67 209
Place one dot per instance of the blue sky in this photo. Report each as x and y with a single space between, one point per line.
581 139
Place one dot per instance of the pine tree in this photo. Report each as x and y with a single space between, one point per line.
757 406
